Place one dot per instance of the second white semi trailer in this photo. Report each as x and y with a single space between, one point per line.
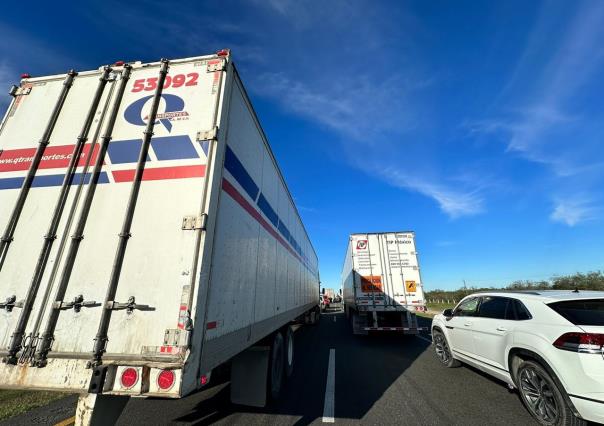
381 283
148 237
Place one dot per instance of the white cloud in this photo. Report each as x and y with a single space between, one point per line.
358 107
42 56
365 111
572 211
454 201
541 130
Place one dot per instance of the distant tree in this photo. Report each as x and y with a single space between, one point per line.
529 285
589 281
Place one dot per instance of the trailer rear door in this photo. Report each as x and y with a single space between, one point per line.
159 257
386 271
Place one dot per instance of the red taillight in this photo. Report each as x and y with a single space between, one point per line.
119 63
165 379
204 380
129 377
581 342
223 52
25 75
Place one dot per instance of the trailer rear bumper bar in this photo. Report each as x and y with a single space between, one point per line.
71 374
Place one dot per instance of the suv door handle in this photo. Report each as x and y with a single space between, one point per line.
502 329
467 324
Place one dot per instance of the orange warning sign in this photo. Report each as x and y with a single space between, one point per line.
411 286
371 284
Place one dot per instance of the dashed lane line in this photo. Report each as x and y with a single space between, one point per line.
330 389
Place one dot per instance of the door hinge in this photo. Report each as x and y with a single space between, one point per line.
215 65
130 306
207 135
11 303
190 223
77 304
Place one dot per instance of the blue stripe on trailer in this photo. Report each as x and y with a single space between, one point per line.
268 211
44 181
173 148
234 166
126 151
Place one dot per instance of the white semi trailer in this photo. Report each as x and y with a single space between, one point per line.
382 284
148 238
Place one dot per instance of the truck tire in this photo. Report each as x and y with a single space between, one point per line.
289 350
275 371
542 397
315 316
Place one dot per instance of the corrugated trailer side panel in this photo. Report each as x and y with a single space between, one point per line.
348 277
264 270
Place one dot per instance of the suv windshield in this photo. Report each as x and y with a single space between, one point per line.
581 312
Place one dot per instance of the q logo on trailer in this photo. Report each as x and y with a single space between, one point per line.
174 111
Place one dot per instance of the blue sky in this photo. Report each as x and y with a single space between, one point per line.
478 125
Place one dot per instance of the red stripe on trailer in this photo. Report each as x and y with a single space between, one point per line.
55 157
232 191
161 173
211 325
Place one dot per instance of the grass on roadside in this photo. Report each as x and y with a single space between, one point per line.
434 308
15 402
439 306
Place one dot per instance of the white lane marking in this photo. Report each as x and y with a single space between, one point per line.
334 319
423 338
330 389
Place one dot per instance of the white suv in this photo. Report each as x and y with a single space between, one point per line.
547 344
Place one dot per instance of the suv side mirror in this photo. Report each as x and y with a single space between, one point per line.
448 313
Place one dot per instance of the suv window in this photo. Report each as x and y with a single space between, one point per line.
517 311
467 308
493 307
581 312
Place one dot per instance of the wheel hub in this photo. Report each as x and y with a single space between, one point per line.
441 348
539 395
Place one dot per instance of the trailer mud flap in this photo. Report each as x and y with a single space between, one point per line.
249 371
97 409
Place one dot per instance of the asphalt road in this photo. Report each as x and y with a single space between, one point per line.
382 379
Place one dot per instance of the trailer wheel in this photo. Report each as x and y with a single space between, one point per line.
277 358
289 350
